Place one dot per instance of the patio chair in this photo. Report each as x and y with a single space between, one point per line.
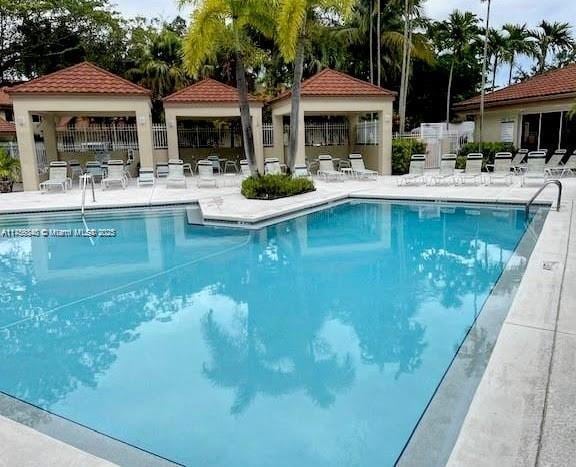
245 169
570 167
146 177
206 173
176 175
359 169
501 168
272 166
554 166
57 177
518 163
535 167
215 160
415 173
116 175
301 171
473 170
75 169
446 172
94 168
326 168
162 169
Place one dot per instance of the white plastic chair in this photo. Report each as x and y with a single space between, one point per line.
473 170
536 167
146 177
326 168
245 169
162 169
570 167
206 174
57 177
301 171
272 166
501 168
518 163
176 175
116 175
359 169
415 173
446 172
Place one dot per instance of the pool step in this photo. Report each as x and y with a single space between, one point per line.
194 215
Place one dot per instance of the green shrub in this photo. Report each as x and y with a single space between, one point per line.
488 149
275 186
402 150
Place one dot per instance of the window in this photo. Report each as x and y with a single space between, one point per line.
530 131
569 133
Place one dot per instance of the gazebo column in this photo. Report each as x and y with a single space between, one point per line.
385 140
145 136
172 133
258 139
26 149
301 149
50 138
352 123
278 129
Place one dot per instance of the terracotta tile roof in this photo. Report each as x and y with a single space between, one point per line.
332 83
5 100
555 84
7 127
207 90
84 78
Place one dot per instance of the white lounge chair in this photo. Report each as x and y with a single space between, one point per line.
245 169
415 173
162 169
570 167
554 166
206 174
535 167
518 163
272 166
146 177
74 169
446 172
501 168
359 169
473 170
115 175
176 175
57 177
215 160
326 168
301 171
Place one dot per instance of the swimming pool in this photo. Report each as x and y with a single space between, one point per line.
317 341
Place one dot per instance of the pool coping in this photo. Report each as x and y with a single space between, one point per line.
290 212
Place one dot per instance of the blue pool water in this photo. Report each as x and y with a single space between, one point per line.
317 341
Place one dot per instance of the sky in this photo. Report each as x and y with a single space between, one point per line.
530 12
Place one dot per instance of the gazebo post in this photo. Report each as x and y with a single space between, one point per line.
385 141
145 136
172 132
26 148
278 135
50 138
257 135
301 149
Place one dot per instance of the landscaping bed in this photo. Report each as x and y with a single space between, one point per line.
269 187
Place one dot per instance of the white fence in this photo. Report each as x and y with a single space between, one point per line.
367 132
268 135
83 139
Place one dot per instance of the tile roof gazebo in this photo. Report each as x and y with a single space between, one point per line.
83 89
210 99
331 92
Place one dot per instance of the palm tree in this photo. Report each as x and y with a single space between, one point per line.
496 50
225 25
517 42
294 20
551 37
457 35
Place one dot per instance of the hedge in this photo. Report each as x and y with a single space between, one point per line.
275 186
402 150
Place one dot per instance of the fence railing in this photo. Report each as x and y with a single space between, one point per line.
268 135
160 136
367 132
83 139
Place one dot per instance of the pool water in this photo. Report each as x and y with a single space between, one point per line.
318 341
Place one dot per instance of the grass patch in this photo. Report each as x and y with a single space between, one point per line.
275 186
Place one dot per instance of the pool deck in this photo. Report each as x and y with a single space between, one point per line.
523 410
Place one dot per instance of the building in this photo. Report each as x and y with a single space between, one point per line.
533 114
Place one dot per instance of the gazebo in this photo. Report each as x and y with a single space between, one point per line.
80 90
209 100
332 93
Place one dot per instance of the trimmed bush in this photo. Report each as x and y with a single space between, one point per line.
275 186
488 149
402 150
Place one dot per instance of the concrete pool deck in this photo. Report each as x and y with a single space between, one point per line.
522 411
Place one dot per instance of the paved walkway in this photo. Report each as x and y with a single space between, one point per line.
523 410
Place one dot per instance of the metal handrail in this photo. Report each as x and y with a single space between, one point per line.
541 189
84 180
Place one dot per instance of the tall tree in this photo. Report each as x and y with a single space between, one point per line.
517 42
226 25
496 50
294 21
551 37
456 35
